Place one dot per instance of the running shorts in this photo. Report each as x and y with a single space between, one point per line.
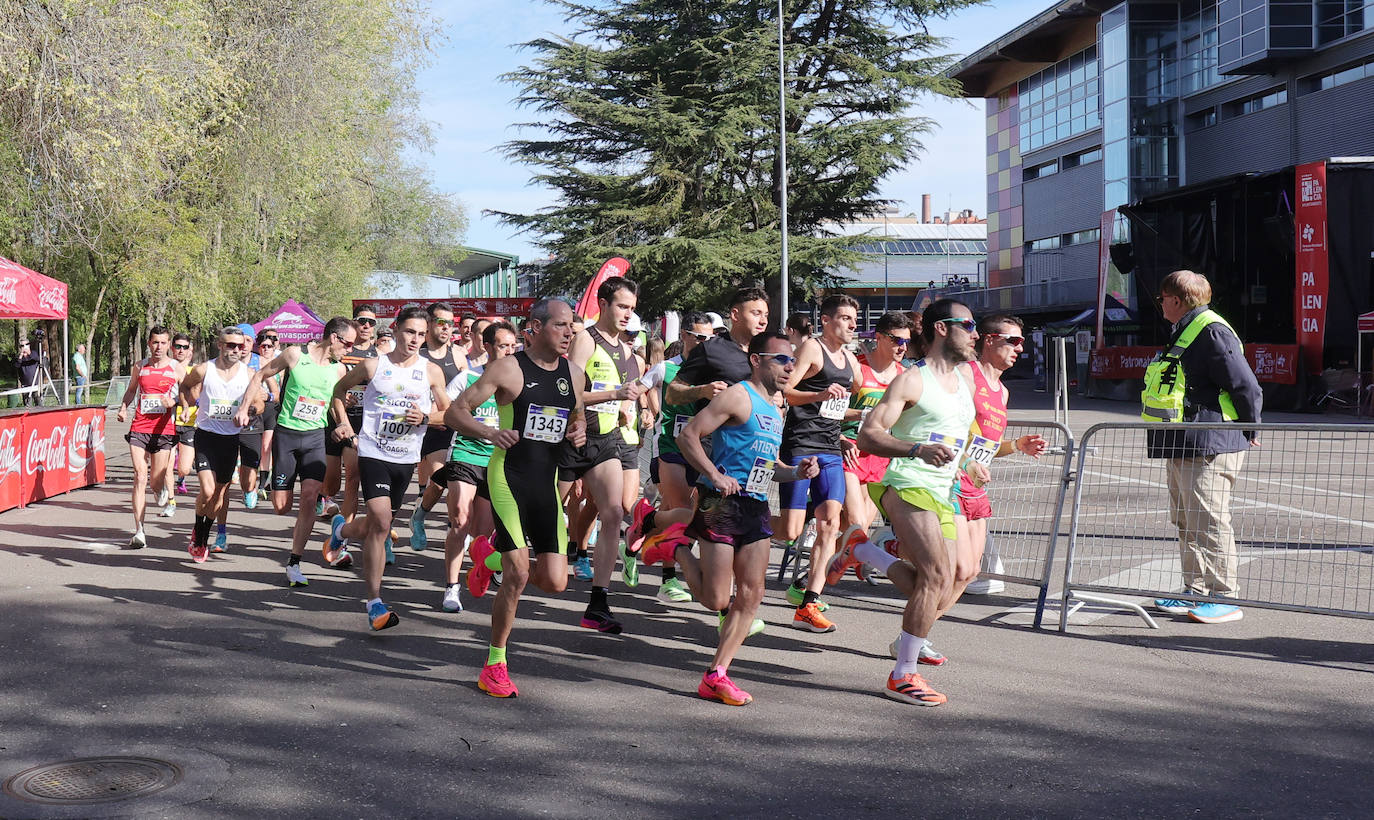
528 513
219 454
827 486
655 470
474 474
250 449
574 462
629 456
436 440
381 479
737 520
270 410
186 435
870 468
151 442
973 501
297 454
921 500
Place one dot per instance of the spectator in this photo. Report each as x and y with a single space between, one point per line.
1202 375
82 370
798 329
28 371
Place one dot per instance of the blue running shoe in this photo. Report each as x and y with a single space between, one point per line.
221 542
319 506
1173 606
390 556
418 539
582 569
380 616
333 543
1215 613
250 499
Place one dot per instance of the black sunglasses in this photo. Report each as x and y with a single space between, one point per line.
365 321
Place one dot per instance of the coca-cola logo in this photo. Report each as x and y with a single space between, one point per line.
86 431
54 299
9 290
9 452
48 453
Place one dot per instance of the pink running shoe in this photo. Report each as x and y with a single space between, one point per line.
199 552
660 547
479 577
716 686
495 681
634 536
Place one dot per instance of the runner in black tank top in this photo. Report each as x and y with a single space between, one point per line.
815 427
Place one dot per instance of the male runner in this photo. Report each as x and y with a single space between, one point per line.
731 522
438 439
721 361
186 430
152 435
538 404
611 376
817 402
922 423
298 448
404 394
268 347
469 505
476 352
341 455
876 371
219 390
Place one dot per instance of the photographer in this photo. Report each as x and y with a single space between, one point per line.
28 362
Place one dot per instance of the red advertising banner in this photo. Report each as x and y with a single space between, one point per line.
26 294
1313 283
1366 322
1275 364
477 306
43 454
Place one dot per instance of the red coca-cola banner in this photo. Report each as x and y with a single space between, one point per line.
43 454
1309 302
1276 364
26 294
505 308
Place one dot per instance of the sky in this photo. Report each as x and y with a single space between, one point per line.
471 113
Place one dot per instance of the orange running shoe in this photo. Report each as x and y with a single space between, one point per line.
809 617
844 559
495 681
912 688
717 686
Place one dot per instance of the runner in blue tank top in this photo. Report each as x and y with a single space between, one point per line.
731 519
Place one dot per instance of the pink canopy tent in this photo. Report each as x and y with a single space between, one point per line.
27 294
295 323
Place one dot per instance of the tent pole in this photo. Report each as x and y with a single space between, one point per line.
66 367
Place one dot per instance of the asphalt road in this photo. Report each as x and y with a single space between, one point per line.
281 703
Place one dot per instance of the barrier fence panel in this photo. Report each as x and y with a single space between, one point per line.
1300 515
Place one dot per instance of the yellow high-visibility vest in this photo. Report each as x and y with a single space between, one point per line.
1162 398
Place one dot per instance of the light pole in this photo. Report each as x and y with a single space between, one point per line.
782 158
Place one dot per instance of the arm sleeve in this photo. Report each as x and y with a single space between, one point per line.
1229 370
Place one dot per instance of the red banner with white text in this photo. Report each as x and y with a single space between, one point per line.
1275 364
11 461
500 307
1313 279
43 454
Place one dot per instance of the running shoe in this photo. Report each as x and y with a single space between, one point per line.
333 543
715 686
296 576
1173 606
661 547
868 574
170 508
162 497
221 542
673 591
601 621
796 594
912 688
479 577
198 552
809 617
250 499
331 508
929 655
844 559
1215 613
495 681
634 536
989 586
390 556
319 506
181 487
139 541
418 539
380 616
582 569
755 628
452 601
345 559
629 572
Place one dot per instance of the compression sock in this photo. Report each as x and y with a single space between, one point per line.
908 655
809 597
871 553
600 601
496 654
669 572
293 560
201 533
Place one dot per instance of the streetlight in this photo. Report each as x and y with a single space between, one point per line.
782 157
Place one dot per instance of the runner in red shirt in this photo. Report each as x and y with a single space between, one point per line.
153 435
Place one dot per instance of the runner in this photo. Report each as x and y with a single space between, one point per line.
922 424
731 523
342 454
250 463
218 388
298 448
152 435
538 405
469 505
268 347
186 430
404 394
611 376
438 441
818 399
478 344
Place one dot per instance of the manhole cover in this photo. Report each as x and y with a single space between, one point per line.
91 780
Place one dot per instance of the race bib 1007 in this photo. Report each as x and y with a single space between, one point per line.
546 424
393 425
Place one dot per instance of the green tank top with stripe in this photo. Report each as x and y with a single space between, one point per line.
475 450
306 394
938 417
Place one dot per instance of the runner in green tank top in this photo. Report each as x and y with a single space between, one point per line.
298 449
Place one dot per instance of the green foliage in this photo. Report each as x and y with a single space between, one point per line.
659 126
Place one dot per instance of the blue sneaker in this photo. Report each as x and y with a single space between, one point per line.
319 506
1173 606
380 616
390 556
1215 613
333 544
221 542
418 539
582 569
250 499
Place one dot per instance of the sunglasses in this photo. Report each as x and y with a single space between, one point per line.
365 321
700 337
968 325
1014 341
182 347
899 341
781 358
347 345
443 323
235 345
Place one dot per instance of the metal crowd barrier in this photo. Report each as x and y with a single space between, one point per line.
1302 519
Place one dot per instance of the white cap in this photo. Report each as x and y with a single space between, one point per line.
635 324
716 322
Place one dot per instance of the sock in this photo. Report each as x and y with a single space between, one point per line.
578 552
725 612
493 561
221 529
718 671
669 572
809 597
496 654
871 553
293 560
201 533
908 652
419 514
373 601
599 600
649 522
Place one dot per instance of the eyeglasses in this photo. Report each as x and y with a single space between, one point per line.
1159 300
968 325
700 337
182 347
1014 341
347 344
366 321
781 358
899 341
266 343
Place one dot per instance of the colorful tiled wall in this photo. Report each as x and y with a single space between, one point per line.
1004 191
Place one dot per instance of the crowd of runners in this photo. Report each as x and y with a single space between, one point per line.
530 429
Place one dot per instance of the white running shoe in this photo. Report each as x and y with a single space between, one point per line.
162 496
452 603
139 541
296 576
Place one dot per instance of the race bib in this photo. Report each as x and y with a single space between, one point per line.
355 396
393 425
982 450
611 407
488 416
151 405
833 409
546 424
308 410
679 422
222 409
760 476
952 442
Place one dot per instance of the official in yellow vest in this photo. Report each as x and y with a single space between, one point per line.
1202 375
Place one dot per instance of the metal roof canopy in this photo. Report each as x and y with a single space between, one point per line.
1035 43
478 263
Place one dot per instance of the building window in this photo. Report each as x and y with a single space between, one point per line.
1331 79
1049 243
1059 102
1081 237
1259 102
1082 158
1038 171
1202 119
1342 18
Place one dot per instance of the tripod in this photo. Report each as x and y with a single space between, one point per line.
44 381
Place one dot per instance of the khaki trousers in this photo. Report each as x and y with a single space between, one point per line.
1200 499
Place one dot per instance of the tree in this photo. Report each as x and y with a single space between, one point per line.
659 134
